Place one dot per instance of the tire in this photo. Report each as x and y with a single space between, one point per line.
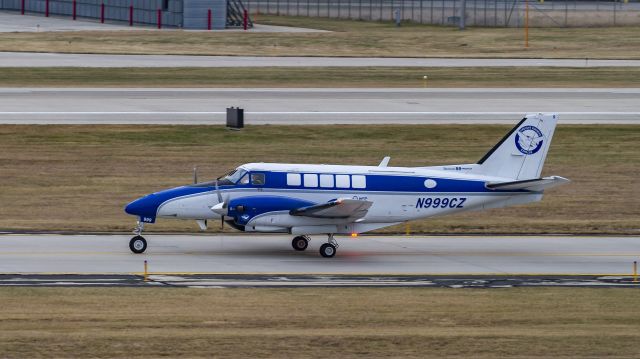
300 243
138 244
327 250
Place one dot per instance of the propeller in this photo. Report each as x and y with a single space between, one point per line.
221 207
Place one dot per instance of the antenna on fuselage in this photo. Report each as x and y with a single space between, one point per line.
195 174
384 162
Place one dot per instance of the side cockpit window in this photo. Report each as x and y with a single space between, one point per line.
244 180
232 177
257 179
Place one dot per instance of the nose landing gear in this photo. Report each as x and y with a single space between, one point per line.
138 244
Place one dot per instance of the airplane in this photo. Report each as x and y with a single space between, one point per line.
306 199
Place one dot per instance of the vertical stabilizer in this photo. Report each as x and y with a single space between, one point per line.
521 152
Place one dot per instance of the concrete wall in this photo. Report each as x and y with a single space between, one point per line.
144 11
196 14
190 14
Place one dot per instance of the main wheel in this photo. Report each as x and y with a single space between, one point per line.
327 250
300 243
138 244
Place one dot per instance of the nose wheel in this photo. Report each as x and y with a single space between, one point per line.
300 243
138 244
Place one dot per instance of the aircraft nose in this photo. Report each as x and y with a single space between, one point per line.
143 206
134 207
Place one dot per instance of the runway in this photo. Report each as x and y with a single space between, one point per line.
392 255
191 106
27 59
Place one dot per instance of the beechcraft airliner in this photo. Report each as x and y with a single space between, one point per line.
304 199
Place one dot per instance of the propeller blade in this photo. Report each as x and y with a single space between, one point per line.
218 192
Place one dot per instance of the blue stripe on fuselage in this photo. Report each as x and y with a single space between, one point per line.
386 183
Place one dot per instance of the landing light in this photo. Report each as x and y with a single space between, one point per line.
354 235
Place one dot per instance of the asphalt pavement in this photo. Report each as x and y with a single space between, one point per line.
391 255
28 59
314 106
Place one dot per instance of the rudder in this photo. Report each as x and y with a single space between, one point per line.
522 151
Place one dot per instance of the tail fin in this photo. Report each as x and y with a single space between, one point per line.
521 152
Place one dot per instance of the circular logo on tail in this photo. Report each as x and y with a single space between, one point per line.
529 140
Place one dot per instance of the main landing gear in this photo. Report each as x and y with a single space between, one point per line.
300 243
138 244
329 249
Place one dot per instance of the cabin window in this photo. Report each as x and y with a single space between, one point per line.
257 179
310 180
293 179
342 181
326 181
358 181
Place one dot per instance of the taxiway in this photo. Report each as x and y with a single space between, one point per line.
191 106
26 59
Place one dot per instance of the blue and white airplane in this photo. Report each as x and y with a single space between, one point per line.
303 199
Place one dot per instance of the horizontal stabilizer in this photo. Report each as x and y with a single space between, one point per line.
339 208
537 184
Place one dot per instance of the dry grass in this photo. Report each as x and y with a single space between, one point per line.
321 77
348 38
311 323
78 178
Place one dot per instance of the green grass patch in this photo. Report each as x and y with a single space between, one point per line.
78 178
347 38
319 323
321 77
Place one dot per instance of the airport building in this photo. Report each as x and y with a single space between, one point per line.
187 14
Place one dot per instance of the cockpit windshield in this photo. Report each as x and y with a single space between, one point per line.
230 178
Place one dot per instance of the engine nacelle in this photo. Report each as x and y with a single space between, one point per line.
244 209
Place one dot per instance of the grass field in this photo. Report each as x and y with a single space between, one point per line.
78 178
321 77
325 322
348 38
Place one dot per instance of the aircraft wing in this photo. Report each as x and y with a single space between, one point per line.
537 184
339 208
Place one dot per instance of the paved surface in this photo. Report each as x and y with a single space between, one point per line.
314 106
26 59
14 22
296 281
366 255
